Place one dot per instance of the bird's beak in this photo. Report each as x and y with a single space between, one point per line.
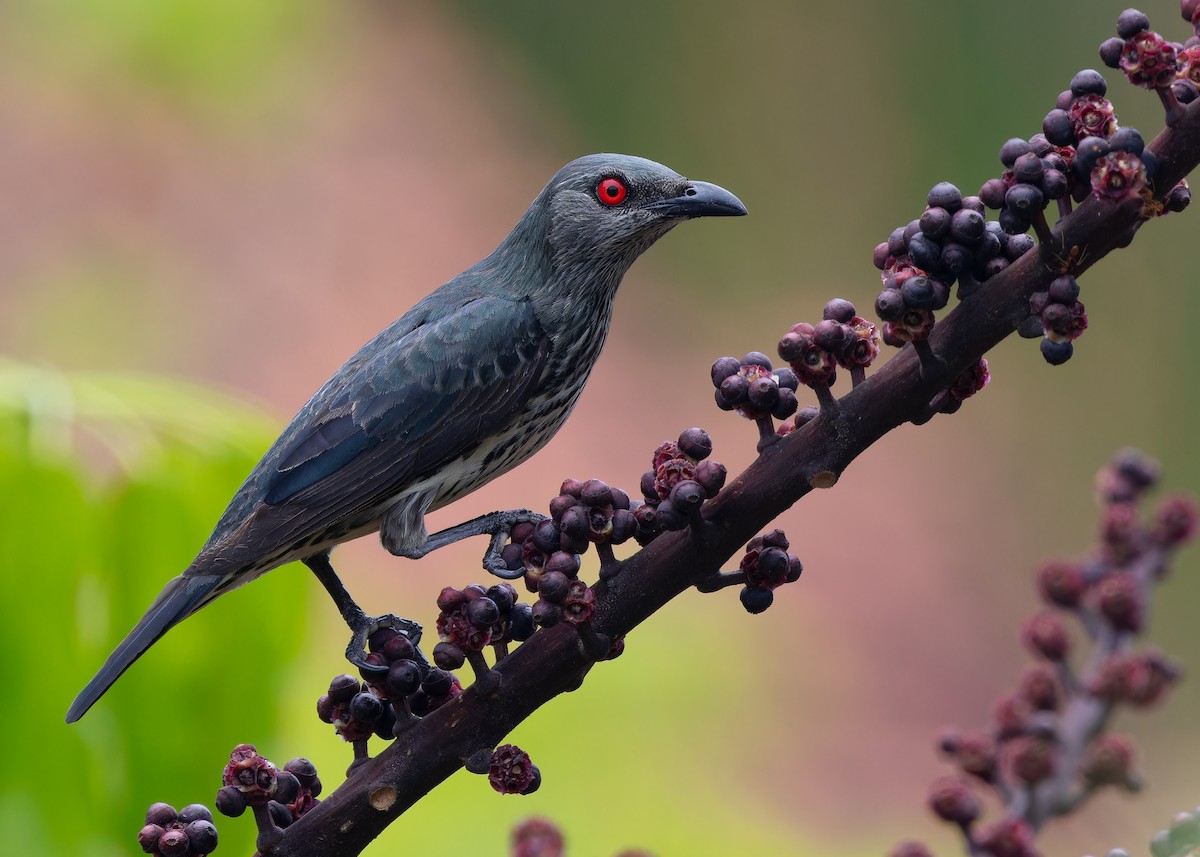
699 199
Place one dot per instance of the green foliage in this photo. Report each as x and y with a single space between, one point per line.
111 484
210 54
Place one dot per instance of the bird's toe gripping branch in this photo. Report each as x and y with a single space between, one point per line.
498 525
361 625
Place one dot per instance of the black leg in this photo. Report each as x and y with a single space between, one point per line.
361 625
498 525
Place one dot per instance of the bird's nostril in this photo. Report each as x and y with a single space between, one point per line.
691 191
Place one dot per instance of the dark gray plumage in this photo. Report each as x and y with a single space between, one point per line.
464 386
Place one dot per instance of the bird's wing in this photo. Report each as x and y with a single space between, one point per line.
405 412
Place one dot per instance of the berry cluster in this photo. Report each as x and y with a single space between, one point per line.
385 705
1036 171
583 514
510 771
475 617
681 477
276 797
1063 318
951 241
175 834
753 389
842 338
1152 62
1032 734
765 567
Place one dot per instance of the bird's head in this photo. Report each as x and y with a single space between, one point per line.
610 208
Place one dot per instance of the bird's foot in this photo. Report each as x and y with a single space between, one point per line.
363 626
498 525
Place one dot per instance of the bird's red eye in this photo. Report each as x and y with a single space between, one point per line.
611 191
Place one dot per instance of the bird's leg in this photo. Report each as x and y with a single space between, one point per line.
361 625
498 525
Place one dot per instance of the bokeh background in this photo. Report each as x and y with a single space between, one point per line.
206 205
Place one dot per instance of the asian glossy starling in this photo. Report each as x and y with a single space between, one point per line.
466 385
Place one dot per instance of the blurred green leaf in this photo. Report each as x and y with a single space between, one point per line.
87 546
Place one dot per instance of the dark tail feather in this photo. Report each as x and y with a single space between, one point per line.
178 600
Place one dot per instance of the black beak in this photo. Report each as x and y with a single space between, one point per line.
699 199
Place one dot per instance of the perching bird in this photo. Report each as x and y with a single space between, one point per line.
463 387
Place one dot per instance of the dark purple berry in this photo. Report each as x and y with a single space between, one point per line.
878 258
735 388
1131 22
624 525
163 814
925 252
967 226
1126 139
1087 153
839 309
1028 169
1110 52
564 562
483 612
1018 245
545 614
1025 199
399 648
230 801
935 222
687 496
945 195
520 622
723 368
546 536
889 306
992 193
917 293
973 203
1057 353
343 688
957 258
711 476
667 517
786 379
764 394
553 586
757 358
1088 82
1012 221
1013 149
195 812
403 678
287 786
832 336
1064 290
897 242
438 682
366 707
596 494
448 656
913 227
503 595
173 843
695 443
756 600
787 404
1054 184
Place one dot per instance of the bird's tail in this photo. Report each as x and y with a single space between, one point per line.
178 600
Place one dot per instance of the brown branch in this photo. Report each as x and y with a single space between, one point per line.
552 661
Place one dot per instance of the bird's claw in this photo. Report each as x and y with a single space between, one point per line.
493 562
365 626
